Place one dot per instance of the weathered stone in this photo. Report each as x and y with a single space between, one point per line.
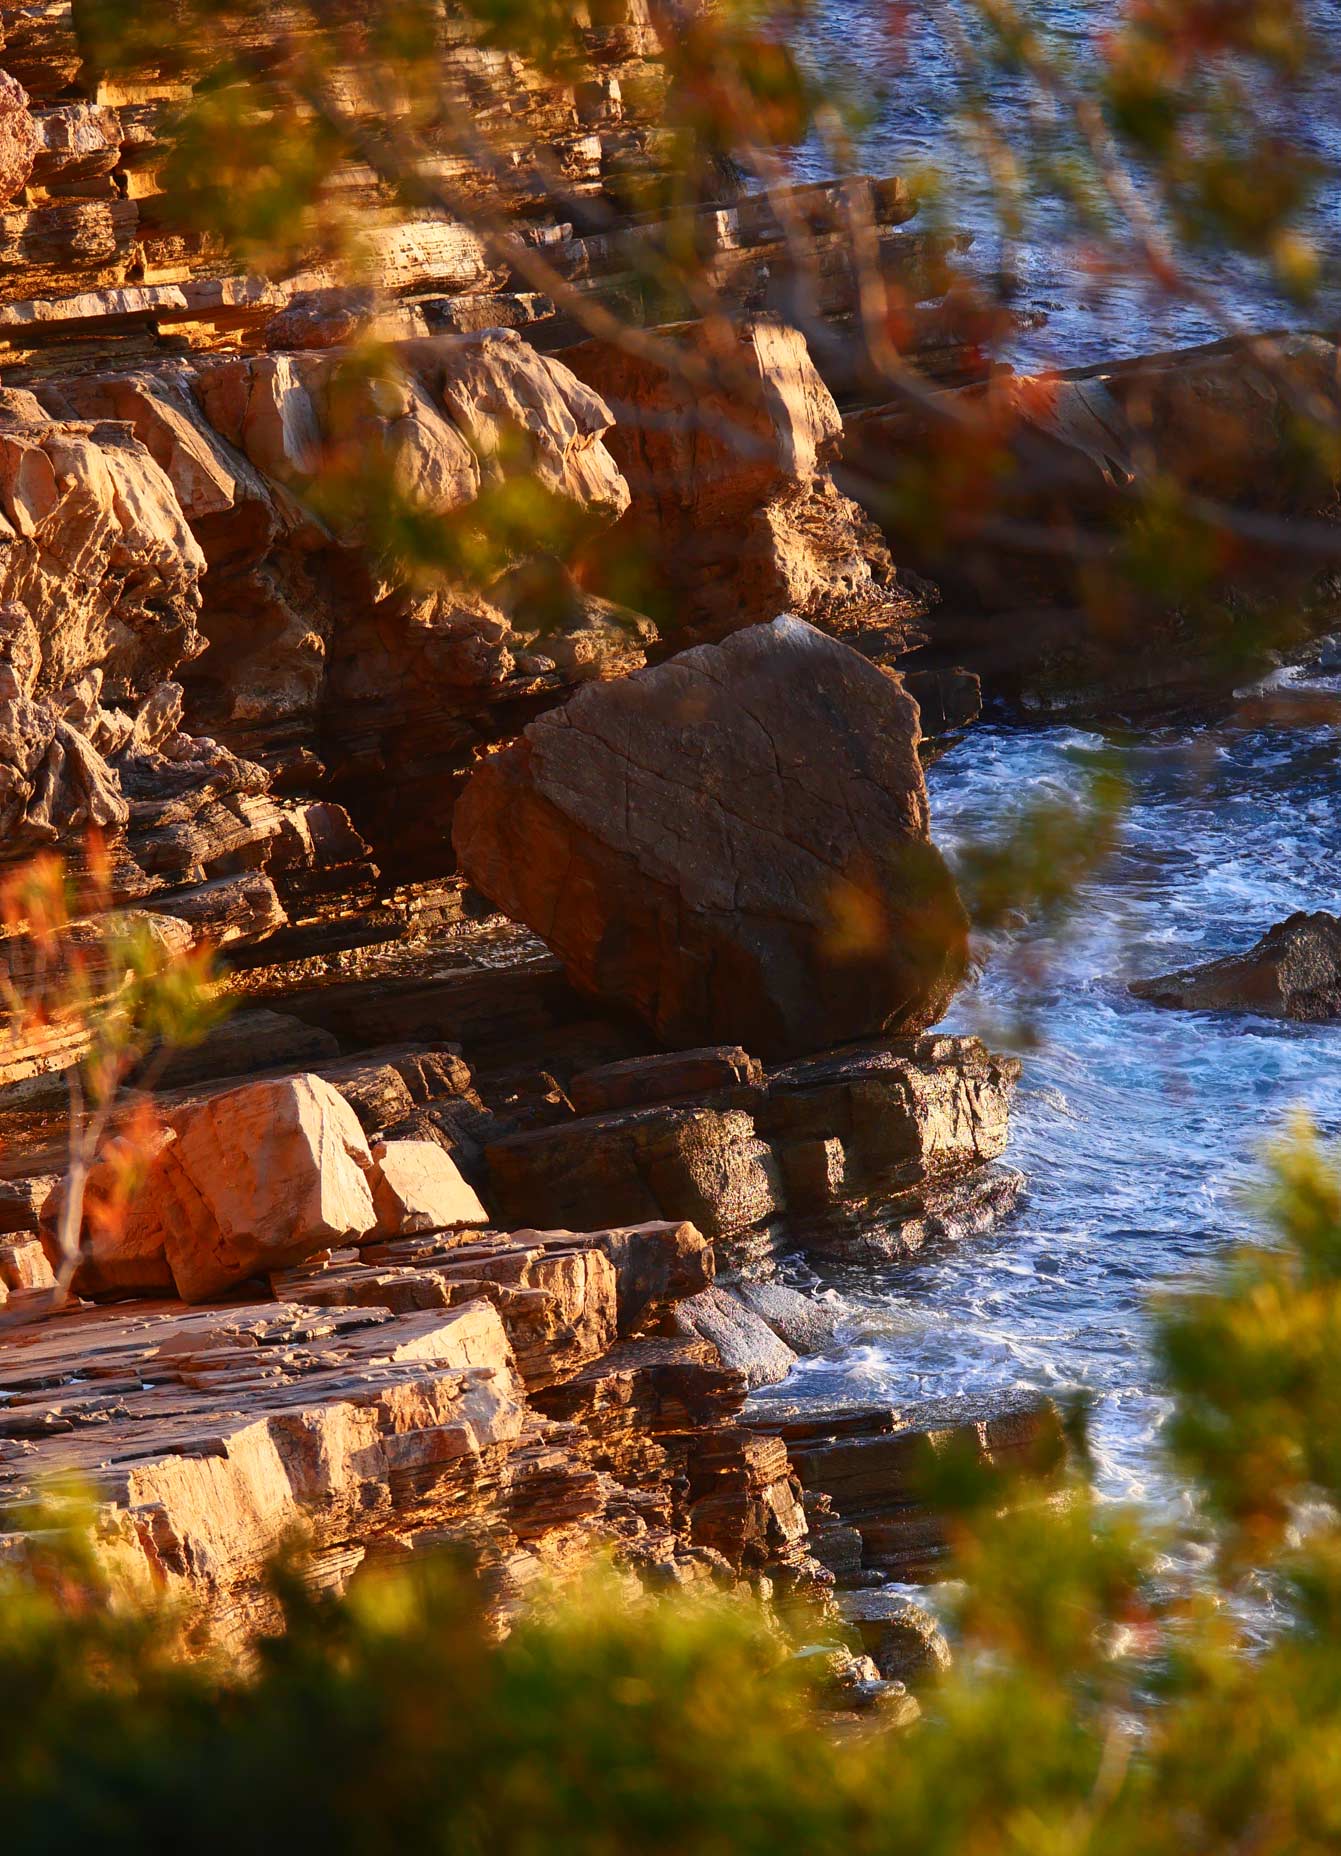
24 1265
248 1181
872 1150
243 1044
736 841
1294 971
555 1291
657 1265
804 1323
771 423
260 1177
636 1082
498 390
416 1187
208 1436
21 1202
702 1165
744 1341
893 1226
731 496
886 1113
129 1202
1217 420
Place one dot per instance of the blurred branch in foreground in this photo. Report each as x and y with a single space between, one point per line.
104 992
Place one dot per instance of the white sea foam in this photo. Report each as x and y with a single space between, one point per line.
1140 1130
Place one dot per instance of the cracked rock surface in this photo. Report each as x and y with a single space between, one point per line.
735 844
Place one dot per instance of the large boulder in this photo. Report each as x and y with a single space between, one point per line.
250 1181
1294 971
735 844
263 1176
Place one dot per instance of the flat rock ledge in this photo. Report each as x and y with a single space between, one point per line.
519 1394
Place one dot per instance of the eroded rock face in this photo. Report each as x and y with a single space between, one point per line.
19 139
499 1394
734 844
1294 971
99 591
911 1126
732 496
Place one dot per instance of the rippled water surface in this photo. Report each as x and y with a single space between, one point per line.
1139 1129
910 82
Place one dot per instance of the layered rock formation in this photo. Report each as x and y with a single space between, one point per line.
483 1267
518 1388
510 1393
1294 971
867 1466
732 499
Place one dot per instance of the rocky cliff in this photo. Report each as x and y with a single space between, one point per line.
436 1241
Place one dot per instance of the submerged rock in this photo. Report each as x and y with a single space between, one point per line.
735 844
1294 971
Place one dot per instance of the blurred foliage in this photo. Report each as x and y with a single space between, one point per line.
1037 868
107 991
1111 1692
71 961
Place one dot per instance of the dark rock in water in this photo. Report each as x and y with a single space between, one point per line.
947 699
904 1640
872 1461
735 844
1294 971
892 1229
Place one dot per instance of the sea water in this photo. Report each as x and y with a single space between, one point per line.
1141 1130
899 64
